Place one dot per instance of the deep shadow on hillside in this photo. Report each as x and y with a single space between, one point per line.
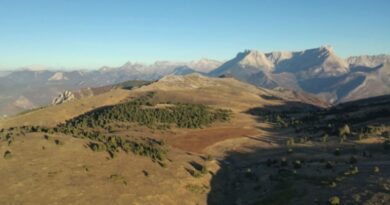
309 172
262 177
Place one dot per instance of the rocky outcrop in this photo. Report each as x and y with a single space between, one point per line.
63 97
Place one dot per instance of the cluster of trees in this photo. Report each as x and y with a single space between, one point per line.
154 149
281 119
141 111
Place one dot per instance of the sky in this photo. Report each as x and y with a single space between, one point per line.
88 34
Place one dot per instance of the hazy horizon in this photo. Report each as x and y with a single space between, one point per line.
88 35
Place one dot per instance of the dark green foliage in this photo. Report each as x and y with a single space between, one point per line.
141 112
148 147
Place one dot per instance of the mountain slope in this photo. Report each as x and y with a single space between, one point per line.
130 145
194 88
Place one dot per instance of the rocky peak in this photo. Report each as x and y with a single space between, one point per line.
256 59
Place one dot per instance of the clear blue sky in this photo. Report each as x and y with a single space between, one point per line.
93 33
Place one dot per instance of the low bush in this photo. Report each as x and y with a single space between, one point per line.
297 164
334 200
7 154
352 160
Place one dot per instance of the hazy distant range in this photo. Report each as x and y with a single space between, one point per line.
317 71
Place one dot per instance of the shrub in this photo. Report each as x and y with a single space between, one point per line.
7 155
283 162
337 152
197 189
97 147
290 141
334 200
352 160
302 140
118 178
344 131
204 170
58 142
297 164
325 138
209 158
353 170
360 136
47 137
329 165
198 173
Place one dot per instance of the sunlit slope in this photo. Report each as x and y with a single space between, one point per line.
194 88
52 115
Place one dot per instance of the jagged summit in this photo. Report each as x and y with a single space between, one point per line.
316 62
318 70
254 58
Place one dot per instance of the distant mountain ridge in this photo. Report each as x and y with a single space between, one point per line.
29 88
318 71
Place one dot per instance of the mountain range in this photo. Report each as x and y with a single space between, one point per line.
319 72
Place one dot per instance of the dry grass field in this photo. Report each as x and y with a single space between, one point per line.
245 160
